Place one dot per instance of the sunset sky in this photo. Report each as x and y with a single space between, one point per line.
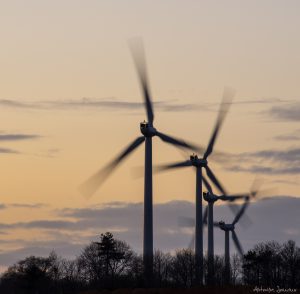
70 101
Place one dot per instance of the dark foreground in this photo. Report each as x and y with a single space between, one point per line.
203 290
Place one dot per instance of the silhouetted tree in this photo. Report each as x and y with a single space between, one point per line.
32 275
183 268
290 257
106 262
270 264
111 263
162 263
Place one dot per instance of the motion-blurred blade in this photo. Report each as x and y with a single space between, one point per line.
256 193
245 221
213 178
89 187
257 183
224 107
186 222
192 243
207 185
233 197
138 53
241 212
178 142
237 243
173 165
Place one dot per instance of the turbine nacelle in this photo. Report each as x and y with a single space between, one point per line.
209 197
226 227
147 129
198 162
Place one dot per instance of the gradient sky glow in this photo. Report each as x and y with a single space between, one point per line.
70 98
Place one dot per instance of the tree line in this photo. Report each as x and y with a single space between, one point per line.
111 263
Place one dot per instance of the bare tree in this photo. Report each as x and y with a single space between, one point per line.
183 268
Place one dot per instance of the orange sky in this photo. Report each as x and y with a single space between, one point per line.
55 53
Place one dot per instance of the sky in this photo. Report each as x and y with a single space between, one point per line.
70 101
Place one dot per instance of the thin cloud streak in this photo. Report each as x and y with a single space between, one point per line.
271 162
8 151
25 205
265 170
94 103
117 104
289 112
294 136
18 137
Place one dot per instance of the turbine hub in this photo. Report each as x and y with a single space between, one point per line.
147 129
226 227
198 162
209 197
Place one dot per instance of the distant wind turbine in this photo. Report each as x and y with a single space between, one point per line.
211 198
148 131
231 228
200 163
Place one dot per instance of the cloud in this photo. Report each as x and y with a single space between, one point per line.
265 169
22 205
17 104
287 182
290 112
2 206
98 103
271 161
39 249
8 151
41 224
294 136
18 137
15 137
272 219
290 155
26 205
269 100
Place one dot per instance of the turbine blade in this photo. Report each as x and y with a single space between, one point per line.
257 183
213 178
192 243
237 243
257 193
173 165
241 212
207 185
233 197
178 142
138 54
224 107
245 221
186 222
90 186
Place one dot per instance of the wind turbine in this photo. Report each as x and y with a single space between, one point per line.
231 228
211 198
200 163
148 131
